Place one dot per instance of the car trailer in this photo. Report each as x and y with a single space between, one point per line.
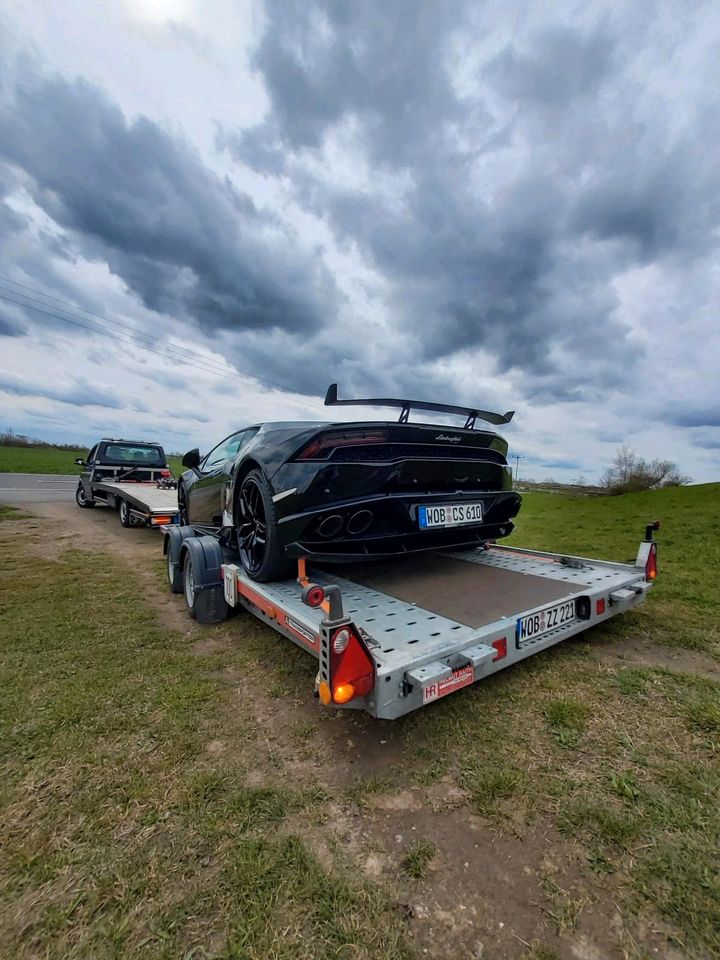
394 636
140 503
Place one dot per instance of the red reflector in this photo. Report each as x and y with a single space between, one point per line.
651 563
501 647
352 669
313 595
600 606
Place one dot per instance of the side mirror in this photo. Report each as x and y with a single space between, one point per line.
191 460
79 461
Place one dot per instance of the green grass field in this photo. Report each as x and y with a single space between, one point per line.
51 460
136 824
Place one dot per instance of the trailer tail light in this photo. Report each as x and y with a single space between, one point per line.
161 521
651 570
322 445
352 669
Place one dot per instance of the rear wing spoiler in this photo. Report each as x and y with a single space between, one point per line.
471 414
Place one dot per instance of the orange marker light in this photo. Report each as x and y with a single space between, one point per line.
343 692
324 693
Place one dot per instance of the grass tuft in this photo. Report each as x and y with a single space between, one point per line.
418 858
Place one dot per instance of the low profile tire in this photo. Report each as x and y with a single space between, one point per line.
261 552
175 575
81 499
124 511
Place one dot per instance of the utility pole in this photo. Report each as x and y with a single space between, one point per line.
517 457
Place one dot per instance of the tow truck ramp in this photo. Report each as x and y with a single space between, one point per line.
393 637
138 503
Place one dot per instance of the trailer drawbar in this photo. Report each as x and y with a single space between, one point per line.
391 637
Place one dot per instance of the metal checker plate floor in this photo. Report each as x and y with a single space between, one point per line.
401 631
593 575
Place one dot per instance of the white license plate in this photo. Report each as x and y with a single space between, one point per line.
449 515
535 624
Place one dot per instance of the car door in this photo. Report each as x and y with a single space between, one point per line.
205 496
87 472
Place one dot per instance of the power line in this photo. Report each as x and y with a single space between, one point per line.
169 351
76 312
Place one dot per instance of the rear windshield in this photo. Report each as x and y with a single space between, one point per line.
137 454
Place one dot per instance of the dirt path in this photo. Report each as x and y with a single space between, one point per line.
488 893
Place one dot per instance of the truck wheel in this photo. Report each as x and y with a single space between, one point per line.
258 537
125 518
81 499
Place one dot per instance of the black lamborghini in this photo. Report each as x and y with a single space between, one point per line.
341 492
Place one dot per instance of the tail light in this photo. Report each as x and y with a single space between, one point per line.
651 570
352 670
319 447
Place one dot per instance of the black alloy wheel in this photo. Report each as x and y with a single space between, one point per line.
258 539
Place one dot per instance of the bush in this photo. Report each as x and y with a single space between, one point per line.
629 473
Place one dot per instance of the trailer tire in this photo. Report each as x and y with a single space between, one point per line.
172 548
202 580
81 499
124 510
175 575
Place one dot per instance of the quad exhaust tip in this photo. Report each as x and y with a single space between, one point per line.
331 526
359 522
356 524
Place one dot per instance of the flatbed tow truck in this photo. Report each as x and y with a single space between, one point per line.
391 637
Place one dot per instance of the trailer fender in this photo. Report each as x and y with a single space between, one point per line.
201 560
172 545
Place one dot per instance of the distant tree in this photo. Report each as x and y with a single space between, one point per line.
629 473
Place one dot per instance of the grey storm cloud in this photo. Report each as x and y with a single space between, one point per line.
79 392
9 326
521 196
183 239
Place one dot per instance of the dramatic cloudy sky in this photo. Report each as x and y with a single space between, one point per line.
210 210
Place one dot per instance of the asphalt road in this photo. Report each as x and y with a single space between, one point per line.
36 488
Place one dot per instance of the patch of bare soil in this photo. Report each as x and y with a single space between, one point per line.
486 893
636 652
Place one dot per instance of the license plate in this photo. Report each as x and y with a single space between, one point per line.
449 515
535 624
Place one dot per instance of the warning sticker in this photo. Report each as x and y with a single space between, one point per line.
441 688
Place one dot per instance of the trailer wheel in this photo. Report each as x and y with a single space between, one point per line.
81 499
202 583
191 594
175 574
125 518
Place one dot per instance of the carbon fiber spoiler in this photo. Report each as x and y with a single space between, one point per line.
470 413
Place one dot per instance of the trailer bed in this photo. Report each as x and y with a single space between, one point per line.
440 621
